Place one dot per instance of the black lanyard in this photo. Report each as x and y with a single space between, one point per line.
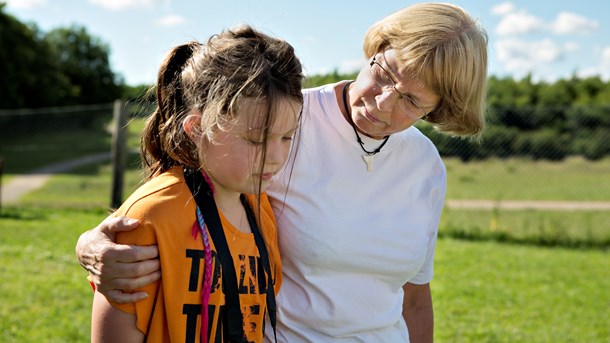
233 318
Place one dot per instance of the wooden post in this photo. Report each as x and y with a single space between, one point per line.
119 152
1 171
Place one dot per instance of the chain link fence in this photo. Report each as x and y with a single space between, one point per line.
31 139
34 138
530 161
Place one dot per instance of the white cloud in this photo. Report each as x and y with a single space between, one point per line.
602 69
588 72
605 63
571 46
350 66
519 23
171 20
521 57
503 9
26 4
605 57
568 23
116 5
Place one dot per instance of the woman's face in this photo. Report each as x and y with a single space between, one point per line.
377 107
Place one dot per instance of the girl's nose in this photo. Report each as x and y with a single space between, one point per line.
275 152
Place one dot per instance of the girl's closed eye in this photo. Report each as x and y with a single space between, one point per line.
253 138
254 141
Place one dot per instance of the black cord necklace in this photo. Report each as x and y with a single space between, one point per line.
351 122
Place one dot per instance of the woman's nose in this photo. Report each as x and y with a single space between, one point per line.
385 100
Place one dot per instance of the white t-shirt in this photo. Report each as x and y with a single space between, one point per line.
350 238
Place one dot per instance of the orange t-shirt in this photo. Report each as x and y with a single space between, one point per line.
172 312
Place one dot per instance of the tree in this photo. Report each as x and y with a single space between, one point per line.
84 60
30 76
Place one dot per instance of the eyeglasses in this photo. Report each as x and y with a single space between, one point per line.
384 80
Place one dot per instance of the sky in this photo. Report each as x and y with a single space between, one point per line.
547 39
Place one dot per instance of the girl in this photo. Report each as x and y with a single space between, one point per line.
226 114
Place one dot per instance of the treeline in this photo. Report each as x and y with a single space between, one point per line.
62 67
539 120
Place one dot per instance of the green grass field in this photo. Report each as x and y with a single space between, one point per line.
491 292
574 179
483 291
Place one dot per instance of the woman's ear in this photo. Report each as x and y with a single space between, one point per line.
192 126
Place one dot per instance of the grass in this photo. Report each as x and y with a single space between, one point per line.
483 291
22 154
491 292
536 227
574 179
45 295
87 187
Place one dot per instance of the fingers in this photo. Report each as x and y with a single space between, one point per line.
119 267
89 247
111 225
119 290
124 298
118 254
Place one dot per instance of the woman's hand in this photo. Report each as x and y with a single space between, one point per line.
116 269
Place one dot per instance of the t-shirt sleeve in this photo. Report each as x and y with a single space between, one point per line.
144 234
437 201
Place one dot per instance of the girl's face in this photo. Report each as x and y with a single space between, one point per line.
376 111
232 157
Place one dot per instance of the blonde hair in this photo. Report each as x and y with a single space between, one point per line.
446 49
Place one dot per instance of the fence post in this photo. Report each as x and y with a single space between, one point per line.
119 152
1 171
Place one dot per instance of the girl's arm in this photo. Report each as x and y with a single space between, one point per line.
109 324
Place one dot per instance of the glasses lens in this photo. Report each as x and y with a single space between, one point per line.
410 108
382 79
385 82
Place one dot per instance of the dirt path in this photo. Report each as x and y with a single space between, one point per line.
20 185
530 204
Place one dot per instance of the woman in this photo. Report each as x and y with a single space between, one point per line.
358 222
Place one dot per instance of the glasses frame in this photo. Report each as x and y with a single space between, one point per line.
402 96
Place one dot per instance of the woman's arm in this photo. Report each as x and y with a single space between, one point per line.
109 324
117 269
418 313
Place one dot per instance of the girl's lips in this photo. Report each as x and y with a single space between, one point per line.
266 176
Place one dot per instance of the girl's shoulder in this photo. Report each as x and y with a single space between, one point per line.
165 193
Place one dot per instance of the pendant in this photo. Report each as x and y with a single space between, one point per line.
368 159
